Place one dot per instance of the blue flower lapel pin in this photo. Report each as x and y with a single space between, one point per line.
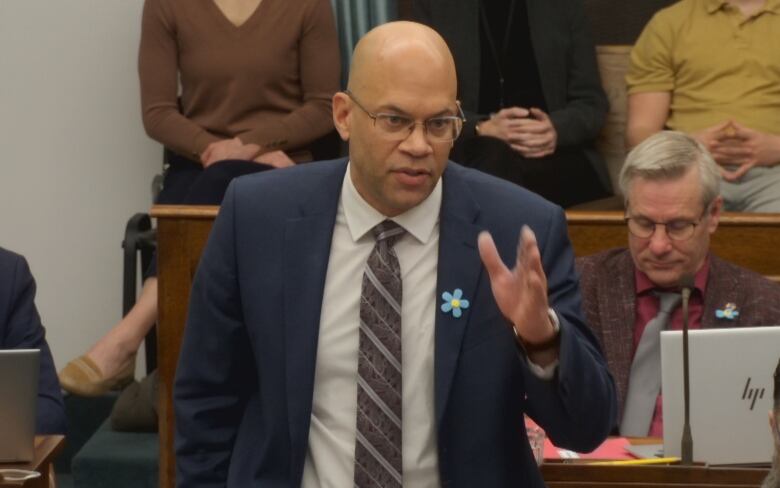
454 302
728 312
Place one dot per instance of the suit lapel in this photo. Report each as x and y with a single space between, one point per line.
306 254
459 267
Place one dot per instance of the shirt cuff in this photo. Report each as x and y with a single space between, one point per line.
543 373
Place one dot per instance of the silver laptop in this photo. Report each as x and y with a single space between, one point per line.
19 370
731 387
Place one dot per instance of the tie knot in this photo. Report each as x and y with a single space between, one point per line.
668 301
388 232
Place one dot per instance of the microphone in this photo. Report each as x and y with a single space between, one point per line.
686 443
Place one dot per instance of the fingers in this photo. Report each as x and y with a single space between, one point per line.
489 256
533 141
531 126
205 156
735 175
277 159
512 113
539 114
721 127
732 152
529 261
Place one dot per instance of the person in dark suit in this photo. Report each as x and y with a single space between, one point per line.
304 323
670 184
530 88
20 328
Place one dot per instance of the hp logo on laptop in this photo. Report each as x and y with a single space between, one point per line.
752 394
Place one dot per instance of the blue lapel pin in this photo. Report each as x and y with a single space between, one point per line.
728 312
454 302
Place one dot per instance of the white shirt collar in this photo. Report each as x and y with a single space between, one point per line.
419 221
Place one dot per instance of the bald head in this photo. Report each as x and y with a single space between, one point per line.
401 49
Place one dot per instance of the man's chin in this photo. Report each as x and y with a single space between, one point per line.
664 278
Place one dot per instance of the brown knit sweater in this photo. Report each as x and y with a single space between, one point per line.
268 81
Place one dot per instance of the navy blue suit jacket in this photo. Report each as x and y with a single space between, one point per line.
243 391
20 328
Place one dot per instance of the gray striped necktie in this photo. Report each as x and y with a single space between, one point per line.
378 460
644 381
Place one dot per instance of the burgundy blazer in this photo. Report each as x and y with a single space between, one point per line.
608 300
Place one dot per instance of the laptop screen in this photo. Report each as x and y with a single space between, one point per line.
731 386
19 370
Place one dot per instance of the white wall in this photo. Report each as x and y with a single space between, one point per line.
74 160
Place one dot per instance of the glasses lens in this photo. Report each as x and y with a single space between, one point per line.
641 228
393 124
443 128
679 230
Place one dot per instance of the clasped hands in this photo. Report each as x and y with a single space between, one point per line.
733 144
530 132
520 292
236 149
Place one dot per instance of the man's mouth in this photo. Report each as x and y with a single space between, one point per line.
412 176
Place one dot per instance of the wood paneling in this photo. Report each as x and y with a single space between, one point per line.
181 235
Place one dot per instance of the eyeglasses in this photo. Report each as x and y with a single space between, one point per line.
394 127
676 230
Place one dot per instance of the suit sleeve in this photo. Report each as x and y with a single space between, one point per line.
651 67
583 116
577 409
215 373
23 330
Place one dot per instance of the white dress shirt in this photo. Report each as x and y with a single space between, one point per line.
330 456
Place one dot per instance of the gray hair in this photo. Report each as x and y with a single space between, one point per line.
669 155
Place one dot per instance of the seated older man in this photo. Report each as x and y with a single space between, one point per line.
671 188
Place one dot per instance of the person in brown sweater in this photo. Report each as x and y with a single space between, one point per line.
229 87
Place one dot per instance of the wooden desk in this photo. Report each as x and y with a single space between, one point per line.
47 447
562 475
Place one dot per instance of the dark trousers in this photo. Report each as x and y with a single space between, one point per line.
566 177
186 182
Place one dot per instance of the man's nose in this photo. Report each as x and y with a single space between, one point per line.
659 241
417 143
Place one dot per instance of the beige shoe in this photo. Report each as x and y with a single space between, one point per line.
84 378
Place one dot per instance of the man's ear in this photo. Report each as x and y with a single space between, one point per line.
715 212
342 114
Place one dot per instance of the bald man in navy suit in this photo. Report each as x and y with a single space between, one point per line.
269 388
